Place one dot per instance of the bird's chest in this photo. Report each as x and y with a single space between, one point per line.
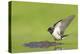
59 28
57 33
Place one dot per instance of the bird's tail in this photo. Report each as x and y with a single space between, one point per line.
65 36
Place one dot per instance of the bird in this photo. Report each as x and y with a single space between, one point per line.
57 29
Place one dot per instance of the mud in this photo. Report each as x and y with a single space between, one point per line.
41 44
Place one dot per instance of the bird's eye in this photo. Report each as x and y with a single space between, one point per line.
49 28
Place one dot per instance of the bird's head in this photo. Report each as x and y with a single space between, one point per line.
50 30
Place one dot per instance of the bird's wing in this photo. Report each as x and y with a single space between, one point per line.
63 24
57 23
67 21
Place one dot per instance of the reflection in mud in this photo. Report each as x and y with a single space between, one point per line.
43 44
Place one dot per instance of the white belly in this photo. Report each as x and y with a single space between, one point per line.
57 31
56 34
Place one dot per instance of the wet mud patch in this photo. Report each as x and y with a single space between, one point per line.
42 44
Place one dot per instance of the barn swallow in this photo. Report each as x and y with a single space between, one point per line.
57 30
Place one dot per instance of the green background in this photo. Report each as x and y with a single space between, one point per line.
30 21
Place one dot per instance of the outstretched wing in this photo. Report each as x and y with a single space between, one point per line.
61 25
66 22
57 23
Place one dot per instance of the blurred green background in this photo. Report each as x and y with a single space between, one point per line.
30 21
